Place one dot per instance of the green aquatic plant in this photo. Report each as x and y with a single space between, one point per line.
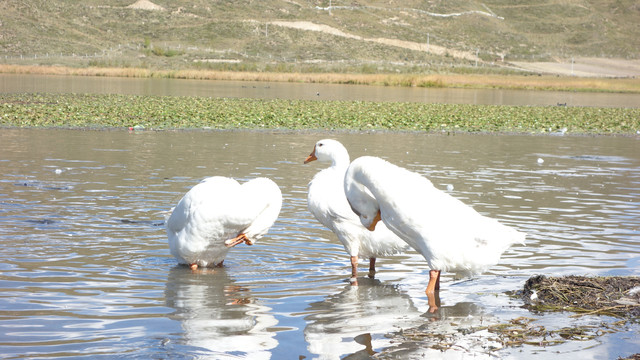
168 112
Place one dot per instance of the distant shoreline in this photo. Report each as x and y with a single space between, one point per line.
477 81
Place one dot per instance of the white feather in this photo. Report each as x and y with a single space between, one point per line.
327 202
218 209
449 234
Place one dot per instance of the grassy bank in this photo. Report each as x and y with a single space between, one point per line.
152 112
493 81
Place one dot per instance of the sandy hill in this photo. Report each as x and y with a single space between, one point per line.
585 38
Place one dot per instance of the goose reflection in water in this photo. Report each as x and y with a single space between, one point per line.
355 321
449 328
219 316
360 322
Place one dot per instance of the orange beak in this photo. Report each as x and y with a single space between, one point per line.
311 156
375 221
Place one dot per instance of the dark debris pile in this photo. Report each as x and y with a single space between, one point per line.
617 296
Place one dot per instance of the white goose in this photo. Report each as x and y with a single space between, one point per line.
219 213
327 202
449 234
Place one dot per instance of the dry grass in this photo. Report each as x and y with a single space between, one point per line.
63 70
545 83
628 85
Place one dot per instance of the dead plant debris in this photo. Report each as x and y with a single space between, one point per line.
514 333
524 331
617 296
631 357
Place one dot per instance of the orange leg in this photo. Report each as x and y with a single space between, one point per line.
237 240
434 302
354 270
434 281
434 284
372 267
194 266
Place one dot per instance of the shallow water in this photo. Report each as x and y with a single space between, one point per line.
26 83
86 270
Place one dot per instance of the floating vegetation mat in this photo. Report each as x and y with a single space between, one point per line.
100 111
617 296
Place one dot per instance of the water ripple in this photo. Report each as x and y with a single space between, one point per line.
87 271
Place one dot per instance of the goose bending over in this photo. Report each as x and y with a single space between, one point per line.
219 213
449 234
327 202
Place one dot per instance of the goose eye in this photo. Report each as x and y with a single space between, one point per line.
320 144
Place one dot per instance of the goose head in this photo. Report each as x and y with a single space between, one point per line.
329 150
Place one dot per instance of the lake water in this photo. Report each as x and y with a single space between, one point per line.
11 83
86 271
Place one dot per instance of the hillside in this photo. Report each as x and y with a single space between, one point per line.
580 37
